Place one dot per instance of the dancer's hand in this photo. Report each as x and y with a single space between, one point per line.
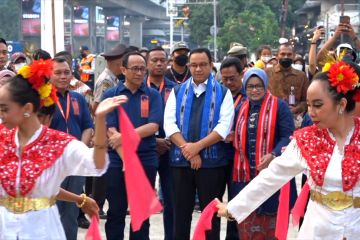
108 104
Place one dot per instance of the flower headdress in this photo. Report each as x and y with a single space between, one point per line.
342 76
38 75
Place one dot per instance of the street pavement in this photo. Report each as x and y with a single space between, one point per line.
157 230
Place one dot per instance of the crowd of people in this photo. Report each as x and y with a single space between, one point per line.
248 127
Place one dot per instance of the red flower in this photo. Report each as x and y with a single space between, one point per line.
41 71
343 77
53 94
356 96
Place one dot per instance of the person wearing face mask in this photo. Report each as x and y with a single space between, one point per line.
179 72
263 56
288 83
299 63
17 60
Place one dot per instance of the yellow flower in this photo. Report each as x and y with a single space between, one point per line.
48 102
326 67
44 91
25 71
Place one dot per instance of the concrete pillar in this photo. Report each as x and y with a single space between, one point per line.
52 26
136 35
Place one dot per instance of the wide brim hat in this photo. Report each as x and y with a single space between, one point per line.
116 52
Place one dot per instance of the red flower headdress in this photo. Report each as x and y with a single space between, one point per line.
38 74
343 77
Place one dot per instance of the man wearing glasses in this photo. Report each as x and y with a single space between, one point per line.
144 108
198 117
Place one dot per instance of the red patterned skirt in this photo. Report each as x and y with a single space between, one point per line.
257 227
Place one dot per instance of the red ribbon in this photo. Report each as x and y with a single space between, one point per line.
93 233
141 195
282 218
205 222
298 210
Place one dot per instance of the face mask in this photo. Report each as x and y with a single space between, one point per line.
285 62
18 66
297 66
181 60
265 59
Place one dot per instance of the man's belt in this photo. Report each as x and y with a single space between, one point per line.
24 204
335 200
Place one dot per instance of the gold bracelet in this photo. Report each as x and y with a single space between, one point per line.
84 197
100 146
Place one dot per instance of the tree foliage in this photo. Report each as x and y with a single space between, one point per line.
251 22
9 19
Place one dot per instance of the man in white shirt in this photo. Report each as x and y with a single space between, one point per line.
198 117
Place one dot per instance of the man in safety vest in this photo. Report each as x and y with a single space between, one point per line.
87 67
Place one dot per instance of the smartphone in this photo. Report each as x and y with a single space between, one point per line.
322 32
345 19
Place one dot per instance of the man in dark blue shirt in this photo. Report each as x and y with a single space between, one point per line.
144 109
72 116
156 65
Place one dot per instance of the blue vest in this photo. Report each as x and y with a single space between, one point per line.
194 135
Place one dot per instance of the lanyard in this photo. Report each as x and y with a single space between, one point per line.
237 100
187 71
66 117
161 85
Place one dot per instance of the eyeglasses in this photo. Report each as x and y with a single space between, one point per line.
155 60
59 73
137 69
200 65
257 87
230 79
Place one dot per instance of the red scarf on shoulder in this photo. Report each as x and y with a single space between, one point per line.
264 137
36 157
316 147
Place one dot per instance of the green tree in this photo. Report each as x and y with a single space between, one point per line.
200 21
252 27
251 22
10 19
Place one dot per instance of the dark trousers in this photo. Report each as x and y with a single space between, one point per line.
116 196
166 188
209 184
99 190
69 212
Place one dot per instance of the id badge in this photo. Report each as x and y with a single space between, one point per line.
75 106
144 106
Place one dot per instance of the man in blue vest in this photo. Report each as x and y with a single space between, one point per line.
144 108
198 117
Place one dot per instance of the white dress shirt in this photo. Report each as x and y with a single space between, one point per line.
226 117
320 222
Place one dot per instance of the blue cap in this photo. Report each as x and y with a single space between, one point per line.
83 48
257 72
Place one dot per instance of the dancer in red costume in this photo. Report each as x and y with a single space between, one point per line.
329 151
34 160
